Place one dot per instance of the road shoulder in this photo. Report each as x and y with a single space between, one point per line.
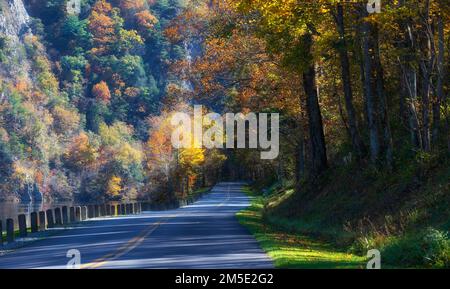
292 250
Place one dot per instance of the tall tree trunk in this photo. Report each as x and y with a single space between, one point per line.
316 134
440 83
357 143
409 82
370 103
427 66
384 117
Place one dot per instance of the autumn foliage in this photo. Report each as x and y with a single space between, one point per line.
101 92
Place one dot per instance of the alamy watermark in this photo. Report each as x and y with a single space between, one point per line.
75 259
374 6
73 7
375 259
229 131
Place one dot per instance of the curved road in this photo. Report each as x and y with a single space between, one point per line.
205 235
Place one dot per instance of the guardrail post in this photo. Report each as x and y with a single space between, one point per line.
72 215
65 215
58 219
108 210
22 225
91 213
34 222
10 230
122 209
84 213
50 220
113 210
41 221
96 211
77 214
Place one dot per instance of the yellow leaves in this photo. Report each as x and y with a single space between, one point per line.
191 157
114 186
128 154
129 39
66 120
21 171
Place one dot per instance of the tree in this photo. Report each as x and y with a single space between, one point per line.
102 27
81 154
101 92
357 143
289 31
114 189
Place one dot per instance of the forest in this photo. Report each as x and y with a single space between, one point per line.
363 99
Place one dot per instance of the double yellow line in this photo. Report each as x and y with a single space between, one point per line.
127 247
136 241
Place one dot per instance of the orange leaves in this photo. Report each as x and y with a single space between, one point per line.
101 92
173 34
132 92
132 4
101 26
159 144
102 7
146 20
22 86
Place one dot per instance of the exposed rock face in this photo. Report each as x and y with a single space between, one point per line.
14 26
14 18
14 63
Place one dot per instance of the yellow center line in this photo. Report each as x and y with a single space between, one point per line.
136 241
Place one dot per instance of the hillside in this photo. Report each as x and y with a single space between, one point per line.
404 213
76 94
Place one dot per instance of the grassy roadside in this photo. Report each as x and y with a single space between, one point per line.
16 235
293 250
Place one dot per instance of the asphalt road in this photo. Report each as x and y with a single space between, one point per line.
204 235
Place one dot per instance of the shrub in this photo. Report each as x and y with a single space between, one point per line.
430 249
436 245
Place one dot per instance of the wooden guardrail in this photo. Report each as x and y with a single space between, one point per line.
63 216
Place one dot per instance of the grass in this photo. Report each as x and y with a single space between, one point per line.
294 250
16 235
404 213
